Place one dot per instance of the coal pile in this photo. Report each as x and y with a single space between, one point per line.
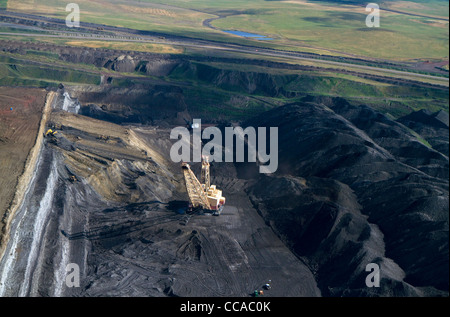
354 187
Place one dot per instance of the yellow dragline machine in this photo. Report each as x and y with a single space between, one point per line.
202 195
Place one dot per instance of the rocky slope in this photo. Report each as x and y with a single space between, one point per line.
107 198
431 126
354 187
359 188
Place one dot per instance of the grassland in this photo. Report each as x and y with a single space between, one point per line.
19 71
309 26
207 96
295 25
126 46
44 68
422 7
400 37
121 13
396 100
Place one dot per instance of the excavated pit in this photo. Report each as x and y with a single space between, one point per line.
120 222
349 191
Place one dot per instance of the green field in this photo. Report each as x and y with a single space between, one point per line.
19 72
396 100
399 37
438 8
295 25
206 91
308 26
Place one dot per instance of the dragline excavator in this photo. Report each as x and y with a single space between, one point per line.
203 195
